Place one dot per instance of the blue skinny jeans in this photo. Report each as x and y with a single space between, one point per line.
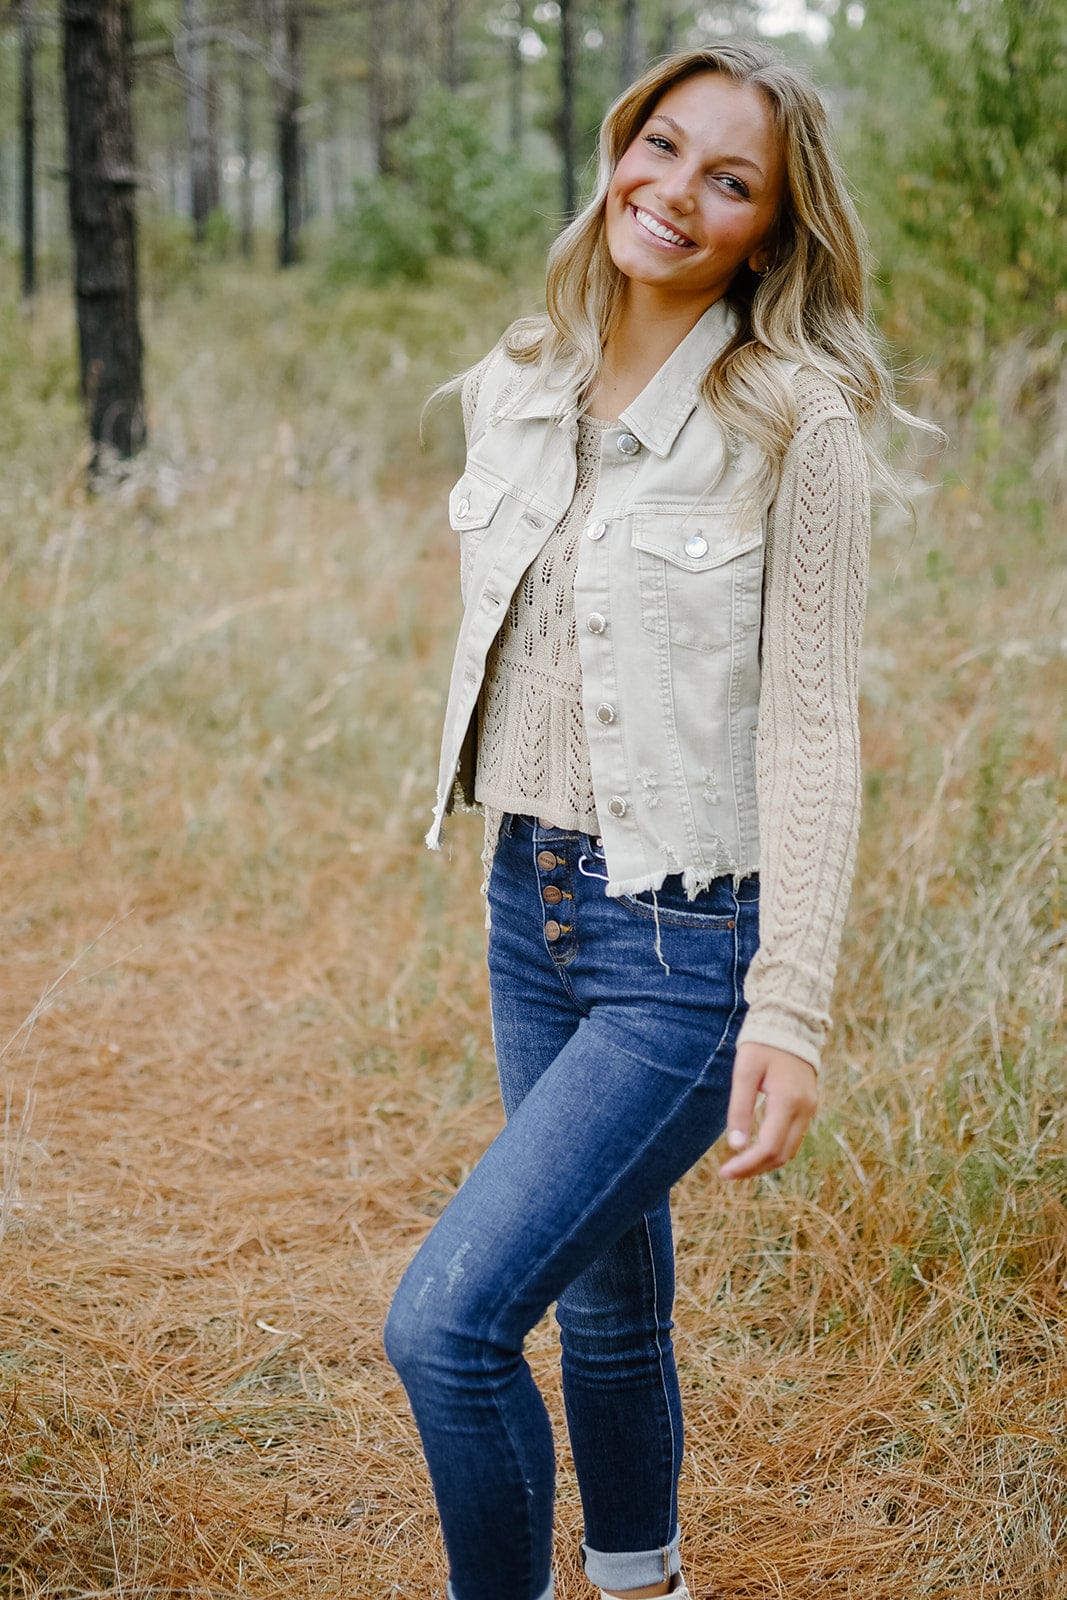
614 1022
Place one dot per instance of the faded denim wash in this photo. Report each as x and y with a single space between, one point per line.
614 1021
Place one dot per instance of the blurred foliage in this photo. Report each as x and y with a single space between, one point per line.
453 195
957 141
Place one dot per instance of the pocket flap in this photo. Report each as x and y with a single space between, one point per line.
473 503
695 541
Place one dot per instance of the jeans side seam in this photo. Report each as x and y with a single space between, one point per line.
528 1553
673 1511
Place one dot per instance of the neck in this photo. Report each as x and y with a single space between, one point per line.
648 328
652 323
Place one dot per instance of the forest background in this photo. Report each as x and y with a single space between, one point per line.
246 1055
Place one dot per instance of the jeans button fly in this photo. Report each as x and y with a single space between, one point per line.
552 931
551 895
546 860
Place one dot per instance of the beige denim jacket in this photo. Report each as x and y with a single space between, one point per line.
667 594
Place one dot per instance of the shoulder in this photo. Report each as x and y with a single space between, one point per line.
825 469
487 373
817 399
481 390
495 381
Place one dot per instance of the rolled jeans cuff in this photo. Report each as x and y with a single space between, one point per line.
632 1569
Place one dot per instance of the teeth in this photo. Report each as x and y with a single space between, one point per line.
659 229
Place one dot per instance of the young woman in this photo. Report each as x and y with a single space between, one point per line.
663 528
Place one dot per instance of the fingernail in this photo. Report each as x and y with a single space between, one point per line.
736 1139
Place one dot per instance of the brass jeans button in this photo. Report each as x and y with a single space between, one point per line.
551 895
552 931
546 860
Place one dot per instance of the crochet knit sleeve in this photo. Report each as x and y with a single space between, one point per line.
807 748
470 391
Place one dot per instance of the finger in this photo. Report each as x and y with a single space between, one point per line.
780 1138
742 1107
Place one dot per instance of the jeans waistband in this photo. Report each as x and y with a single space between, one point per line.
513 822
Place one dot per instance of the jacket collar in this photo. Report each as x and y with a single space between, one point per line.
666 402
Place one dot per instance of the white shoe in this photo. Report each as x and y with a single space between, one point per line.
679 1592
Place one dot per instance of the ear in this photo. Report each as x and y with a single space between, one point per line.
759 261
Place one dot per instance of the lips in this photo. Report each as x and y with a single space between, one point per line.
659 230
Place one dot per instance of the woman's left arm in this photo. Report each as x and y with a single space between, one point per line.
807 769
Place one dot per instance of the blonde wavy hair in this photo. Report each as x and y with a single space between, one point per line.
809 307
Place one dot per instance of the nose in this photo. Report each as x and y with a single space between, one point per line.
676 187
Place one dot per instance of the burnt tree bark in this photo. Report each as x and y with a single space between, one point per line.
568 65
101 192
285 50
389 110
27 42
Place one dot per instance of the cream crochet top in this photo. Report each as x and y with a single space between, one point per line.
532 753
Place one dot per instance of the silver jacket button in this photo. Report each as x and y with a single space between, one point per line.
696 545
596 530
595 622
627 445
617 805
463 509
605 713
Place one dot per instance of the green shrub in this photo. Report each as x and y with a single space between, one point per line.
957 141
453 194
387 235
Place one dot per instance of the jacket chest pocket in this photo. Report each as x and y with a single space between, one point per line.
699 576
472 505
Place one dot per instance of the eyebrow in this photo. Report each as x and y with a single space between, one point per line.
727 161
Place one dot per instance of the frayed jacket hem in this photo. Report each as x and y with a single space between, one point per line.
694 880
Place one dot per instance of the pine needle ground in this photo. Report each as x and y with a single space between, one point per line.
247 1050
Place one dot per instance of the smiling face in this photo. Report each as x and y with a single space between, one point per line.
696 194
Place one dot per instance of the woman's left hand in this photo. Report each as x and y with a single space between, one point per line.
788 1084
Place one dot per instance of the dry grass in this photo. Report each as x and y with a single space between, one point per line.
248 1054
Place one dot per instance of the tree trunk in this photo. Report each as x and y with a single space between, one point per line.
568 62
285 47
391 53
518 64
333 178
376 83
632 56
192 59
244 140
27 41
668 36
450 74
101 191
214 158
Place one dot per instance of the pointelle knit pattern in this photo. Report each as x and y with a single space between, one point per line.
533 755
